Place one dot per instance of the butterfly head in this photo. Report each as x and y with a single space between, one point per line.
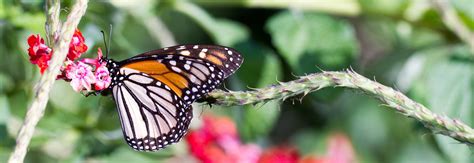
110 63
112 66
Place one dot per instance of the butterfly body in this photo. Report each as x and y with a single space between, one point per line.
154 91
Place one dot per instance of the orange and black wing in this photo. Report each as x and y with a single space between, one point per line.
153 91
188 77
225 58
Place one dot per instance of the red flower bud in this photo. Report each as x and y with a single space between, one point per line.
77 46
39 53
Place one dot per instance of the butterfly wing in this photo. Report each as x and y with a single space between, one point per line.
225 58
153 91
151 115
190 70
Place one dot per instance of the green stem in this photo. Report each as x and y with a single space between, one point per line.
350 79
452 21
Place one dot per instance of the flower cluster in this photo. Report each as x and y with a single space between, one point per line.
217 141
39 53
88 74
339 150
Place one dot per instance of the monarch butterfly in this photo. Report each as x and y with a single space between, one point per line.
153 91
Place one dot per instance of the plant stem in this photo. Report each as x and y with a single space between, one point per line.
452 21
53 24
36 110
350 79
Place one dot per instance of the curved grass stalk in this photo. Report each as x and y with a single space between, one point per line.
350 79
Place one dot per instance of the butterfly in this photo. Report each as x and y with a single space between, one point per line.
153 91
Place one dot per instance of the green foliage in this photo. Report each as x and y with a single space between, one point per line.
258 120
449 83
403 44
308 39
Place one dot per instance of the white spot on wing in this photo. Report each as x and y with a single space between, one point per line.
187 67
181 47
176 69
185 52
173 63
202 55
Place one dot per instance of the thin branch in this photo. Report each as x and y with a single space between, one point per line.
452 21
390 97
53 24
36 110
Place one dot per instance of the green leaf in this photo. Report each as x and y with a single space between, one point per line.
289 34
4 109
307 40
455 151
450 90
224 32
6 83
260 68
448 82
228 33
451 93
310 142
61 145
368 126
4 154
31 21
418 151
466 12
64 97
5 139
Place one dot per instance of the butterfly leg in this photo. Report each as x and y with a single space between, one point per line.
90 93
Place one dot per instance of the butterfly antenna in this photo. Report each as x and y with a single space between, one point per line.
105 43
110 43
107 48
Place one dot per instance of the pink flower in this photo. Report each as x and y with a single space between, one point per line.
340 149
77 46
39 53
218 127
102 77
249 153
217 141
95 62
81 76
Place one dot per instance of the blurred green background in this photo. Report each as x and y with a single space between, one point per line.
400 43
